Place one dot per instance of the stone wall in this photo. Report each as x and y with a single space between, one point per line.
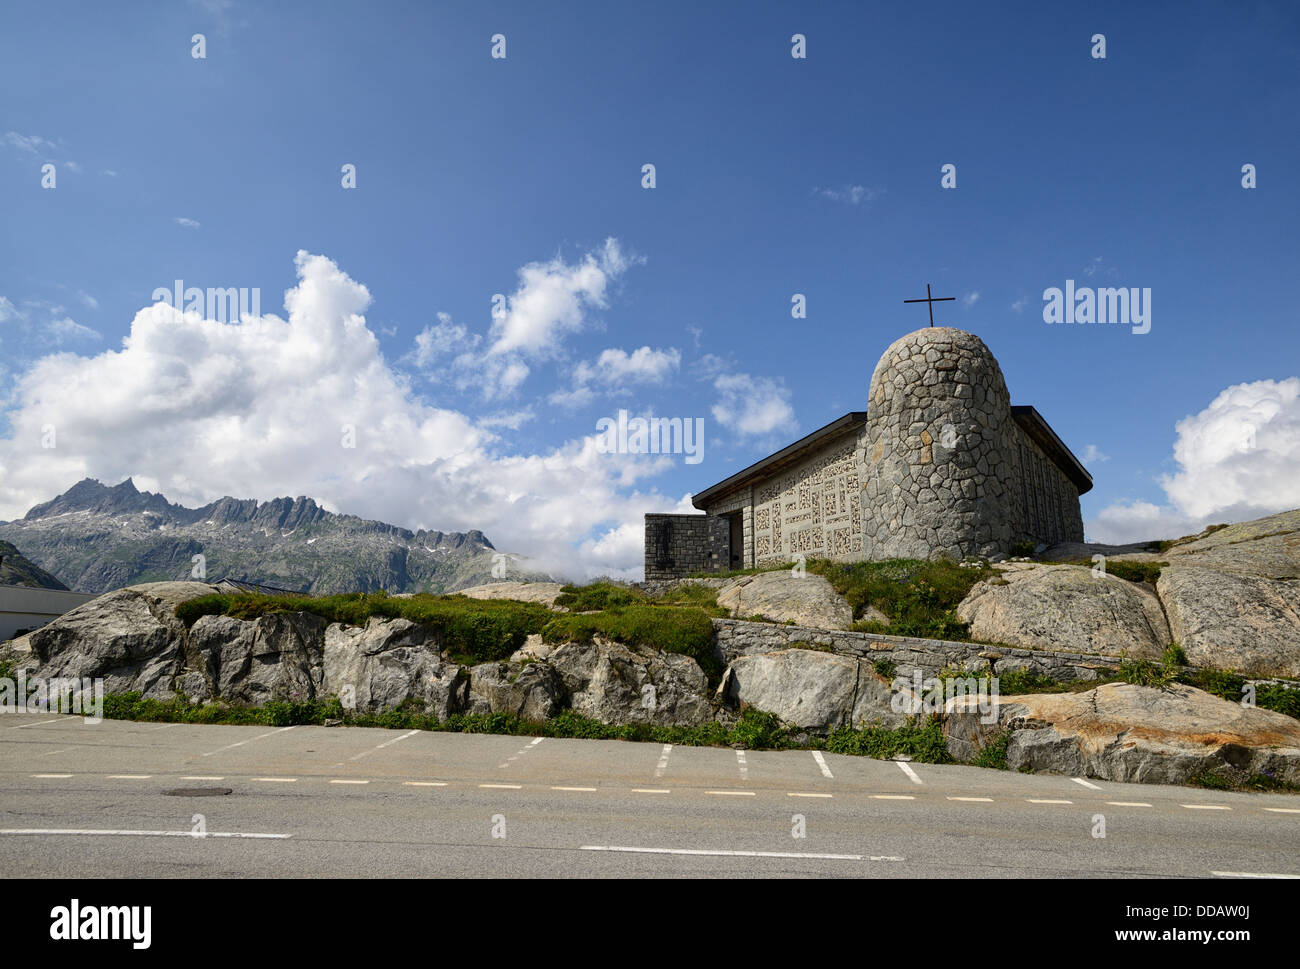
814 509
678 545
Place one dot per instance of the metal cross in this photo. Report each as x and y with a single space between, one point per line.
931 300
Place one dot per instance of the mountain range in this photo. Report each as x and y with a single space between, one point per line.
96 538
15 569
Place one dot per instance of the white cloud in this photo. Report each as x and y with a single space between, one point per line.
33 144
752 405
1019 305
616 369
849 194
970 299
36 326
1092 455
439 340
198 409
66 328
188 223
1238 459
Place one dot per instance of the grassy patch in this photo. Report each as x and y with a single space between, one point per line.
673 629
597 596
918 597
699 596
994 753
1174 655
923 742
471 630
1139 572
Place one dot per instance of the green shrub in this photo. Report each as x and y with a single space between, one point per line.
1174 655
1141 672
919 598
923 742
994 753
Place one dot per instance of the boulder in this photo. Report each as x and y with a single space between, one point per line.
1121 732
782 596
1066 607
813 690
543 592
275 657
1267 547
617 683
389 662
530 691
127 636
1235 621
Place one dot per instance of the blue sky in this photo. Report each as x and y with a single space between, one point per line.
775 176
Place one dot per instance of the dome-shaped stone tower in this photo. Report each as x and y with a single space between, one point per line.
938 473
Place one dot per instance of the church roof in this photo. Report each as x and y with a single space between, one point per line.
1030 421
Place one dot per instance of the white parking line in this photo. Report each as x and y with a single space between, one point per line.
277 780
425 783
203 777
248 741
1046 800
1250 874
1090 786
1128 803
663 760
733 793
111 832
387 743
805 794
573 788
740 762
51 753
821 762
894 797
907 769
20 726
507 787
129 777
520 753
342 780
51 775
650 790
1206 807
1284 810
970 799
734 854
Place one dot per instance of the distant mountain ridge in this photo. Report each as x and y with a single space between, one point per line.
97 538
15 569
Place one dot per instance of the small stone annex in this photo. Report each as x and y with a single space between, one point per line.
940 464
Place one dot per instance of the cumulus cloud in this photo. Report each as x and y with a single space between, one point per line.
197 409
438 340
1092 455
188 223
751 406
1239 458
616 370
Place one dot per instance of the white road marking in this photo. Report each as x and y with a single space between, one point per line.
733 793
203 777
970 799
805 794
343 780
734 854
573 788
129 777
51 753
663 760
1250 874
1046 800
521 752
508 787
36 724
821 762
1284 810
1128 803
907 769
111 832
894 797
425 783
248 741
1206 807
650 790
51 775
1090 786
388 743
277 780
740 762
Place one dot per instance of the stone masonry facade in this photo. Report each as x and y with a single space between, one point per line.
940 466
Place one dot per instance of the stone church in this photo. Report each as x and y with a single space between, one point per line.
940 464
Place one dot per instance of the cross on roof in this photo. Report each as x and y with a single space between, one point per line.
931 300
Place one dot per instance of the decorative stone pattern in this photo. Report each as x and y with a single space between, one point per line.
939 468
677 545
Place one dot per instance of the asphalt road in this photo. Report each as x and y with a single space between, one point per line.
81 800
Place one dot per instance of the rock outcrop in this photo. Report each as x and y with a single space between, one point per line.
617 683
782 596
1120 732
813 690
1066 607
543 592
